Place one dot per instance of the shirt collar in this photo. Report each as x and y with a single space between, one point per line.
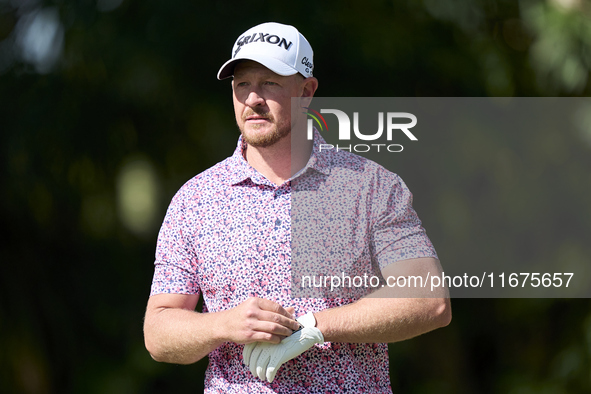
241 170
319 161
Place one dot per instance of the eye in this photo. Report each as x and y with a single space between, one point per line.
241 84
271 83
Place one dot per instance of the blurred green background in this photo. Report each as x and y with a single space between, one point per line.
107 107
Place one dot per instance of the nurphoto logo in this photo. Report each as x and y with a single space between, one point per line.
344 132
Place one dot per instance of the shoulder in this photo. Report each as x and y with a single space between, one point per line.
209 182
347 164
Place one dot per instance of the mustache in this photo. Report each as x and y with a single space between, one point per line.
258 112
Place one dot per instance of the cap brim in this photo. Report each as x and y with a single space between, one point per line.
277 66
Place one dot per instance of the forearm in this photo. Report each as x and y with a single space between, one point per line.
391 314
181 336
373 320
175 333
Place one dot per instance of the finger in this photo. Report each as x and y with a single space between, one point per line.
247 352
280 320
261 336
272 368
272 306
256 352
291 310
277 331
271 371
275 363
262 362
271 331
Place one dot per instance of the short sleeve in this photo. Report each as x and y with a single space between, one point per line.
175 266
398 233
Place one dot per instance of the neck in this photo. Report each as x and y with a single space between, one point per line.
277 162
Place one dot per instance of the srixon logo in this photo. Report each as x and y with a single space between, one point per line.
390 125
262 37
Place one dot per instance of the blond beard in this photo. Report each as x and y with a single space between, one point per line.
263 140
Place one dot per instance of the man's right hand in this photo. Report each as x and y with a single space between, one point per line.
258 320
174 332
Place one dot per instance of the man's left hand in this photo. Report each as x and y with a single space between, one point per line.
264 359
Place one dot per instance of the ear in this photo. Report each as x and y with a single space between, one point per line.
309 87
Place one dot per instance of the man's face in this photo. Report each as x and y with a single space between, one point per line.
262 103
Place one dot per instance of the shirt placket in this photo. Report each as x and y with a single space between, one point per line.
279 205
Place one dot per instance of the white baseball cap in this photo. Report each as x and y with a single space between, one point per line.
280 48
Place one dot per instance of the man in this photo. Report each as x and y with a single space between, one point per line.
227 235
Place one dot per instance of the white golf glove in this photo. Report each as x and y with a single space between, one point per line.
264 359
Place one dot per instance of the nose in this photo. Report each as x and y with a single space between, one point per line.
254 99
